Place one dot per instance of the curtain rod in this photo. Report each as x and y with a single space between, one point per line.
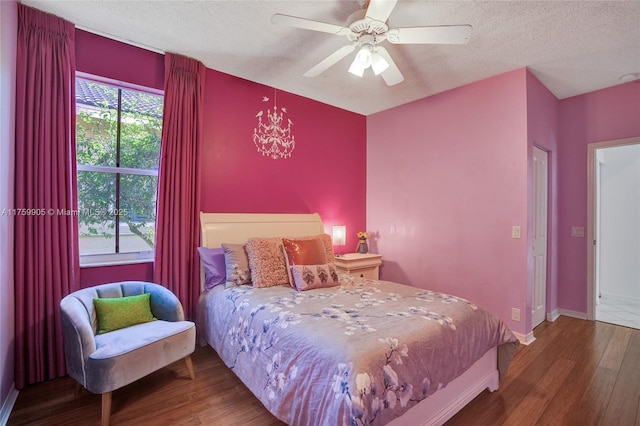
120 39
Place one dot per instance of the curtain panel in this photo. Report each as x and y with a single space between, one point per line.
177 265
46 240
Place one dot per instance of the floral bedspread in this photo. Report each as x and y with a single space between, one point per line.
361 353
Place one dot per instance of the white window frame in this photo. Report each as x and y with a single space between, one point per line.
107 259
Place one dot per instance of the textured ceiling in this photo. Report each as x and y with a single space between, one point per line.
572 47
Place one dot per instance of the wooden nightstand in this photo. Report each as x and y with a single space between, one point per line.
360 265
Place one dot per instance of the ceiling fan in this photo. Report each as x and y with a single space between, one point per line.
366 29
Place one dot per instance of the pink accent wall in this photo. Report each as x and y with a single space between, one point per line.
442 196
129 64
326 173
446 180
542 131
607 114
8 42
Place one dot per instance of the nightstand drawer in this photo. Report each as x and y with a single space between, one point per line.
369 273
360 265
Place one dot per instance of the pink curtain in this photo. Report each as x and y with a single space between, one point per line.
177 263
46 242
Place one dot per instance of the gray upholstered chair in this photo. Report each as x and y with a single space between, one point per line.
105 362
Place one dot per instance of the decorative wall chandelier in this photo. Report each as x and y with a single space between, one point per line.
271 137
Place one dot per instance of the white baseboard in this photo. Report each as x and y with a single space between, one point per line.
572 314
7 406
525 339
553 315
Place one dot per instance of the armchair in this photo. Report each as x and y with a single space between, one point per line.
105 362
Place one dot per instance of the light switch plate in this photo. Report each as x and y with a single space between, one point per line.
515 314
577 231
515 232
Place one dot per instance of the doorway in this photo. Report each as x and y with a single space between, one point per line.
613 280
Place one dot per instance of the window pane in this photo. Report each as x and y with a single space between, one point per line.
96 123
96 203
137 212
118 129
141 129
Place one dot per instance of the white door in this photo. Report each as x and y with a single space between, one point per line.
540 171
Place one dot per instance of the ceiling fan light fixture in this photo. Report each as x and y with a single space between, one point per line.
378 63
362 61
364 56
365 30
357 68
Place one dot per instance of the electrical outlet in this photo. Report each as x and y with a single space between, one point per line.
515 314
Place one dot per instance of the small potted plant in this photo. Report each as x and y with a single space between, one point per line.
362 242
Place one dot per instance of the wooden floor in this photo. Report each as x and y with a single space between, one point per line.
576 373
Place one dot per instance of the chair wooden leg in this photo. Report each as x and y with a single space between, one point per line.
187 360
78 388
106 408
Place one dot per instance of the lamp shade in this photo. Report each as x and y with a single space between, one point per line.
339 234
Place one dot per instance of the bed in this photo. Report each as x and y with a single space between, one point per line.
361 352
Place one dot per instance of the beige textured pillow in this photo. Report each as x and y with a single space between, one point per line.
328 246
266 262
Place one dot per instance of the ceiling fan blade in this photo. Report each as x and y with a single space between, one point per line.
446 34
391 75
379 10
330 60
308 24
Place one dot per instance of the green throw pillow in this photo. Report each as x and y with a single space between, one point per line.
120 312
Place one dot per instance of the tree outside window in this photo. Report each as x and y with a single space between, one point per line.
118 137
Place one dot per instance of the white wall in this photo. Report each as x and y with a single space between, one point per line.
8 30
620 222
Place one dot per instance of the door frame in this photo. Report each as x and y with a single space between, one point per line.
591 216
547 239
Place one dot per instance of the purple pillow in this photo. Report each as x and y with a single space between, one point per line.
214 267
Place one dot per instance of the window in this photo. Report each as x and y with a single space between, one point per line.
118 133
